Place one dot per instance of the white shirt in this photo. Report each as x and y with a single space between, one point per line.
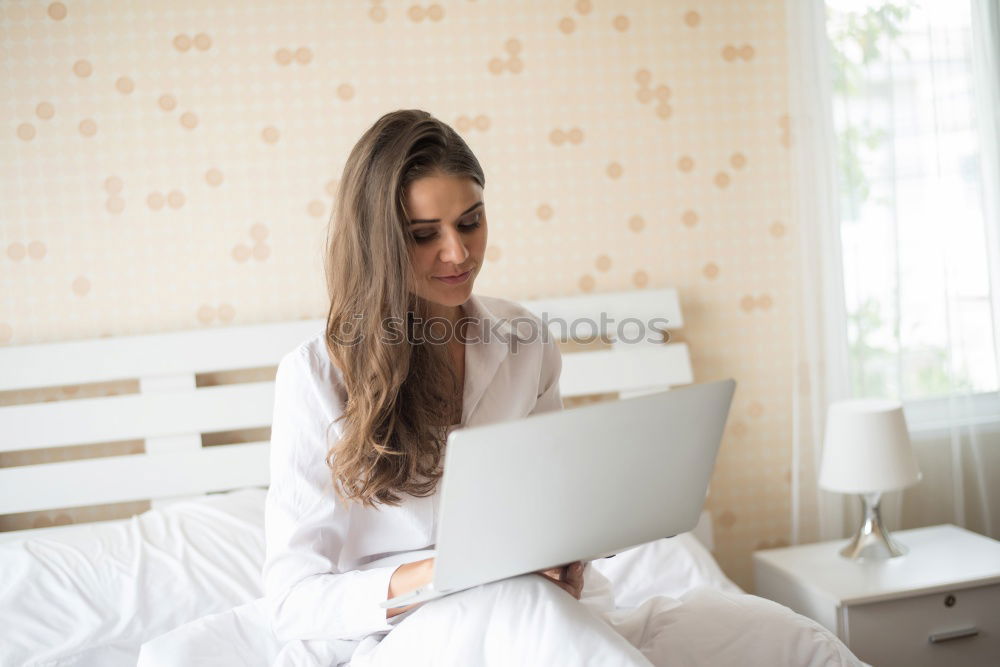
315 544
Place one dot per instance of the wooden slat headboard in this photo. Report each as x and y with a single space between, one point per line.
171 414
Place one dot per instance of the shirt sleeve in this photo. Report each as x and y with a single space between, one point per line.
305 523
549 398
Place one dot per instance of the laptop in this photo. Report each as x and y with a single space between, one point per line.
580 484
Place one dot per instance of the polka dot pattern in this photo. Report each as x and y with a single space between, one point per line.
749 302
167 102
345 91
113 186
559 137
57 11
16 251
377 14
81 286
732 53
316 208
214 177
481 123
301 56
88 127
45 110
124 85
175 199
200 42
510 61
785 130
647 93
270 134
223 313
26 131
257 248
627 145
189 120
36 250
418 13
83 68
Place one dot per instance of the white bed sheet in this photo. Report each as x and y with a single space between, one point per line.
91 595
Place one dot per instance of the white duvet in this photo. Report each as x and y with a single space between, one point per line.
92 595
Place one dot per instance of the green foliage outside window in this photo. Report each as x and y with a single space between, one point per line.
861 43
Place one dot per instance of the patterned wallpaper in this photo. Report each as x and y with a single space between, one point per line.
170 164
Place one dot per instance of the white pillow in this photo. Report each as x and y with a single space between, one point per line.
91 594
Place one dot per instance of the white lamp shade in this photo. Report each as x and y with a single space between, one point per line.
867 448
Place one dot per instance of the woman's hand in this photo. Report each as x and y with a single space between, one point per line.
409 577
568 577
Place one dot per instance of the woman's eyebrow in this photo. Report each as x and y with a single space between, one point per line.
466 211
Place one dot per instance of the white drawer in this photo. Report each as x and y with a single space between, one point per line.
898 632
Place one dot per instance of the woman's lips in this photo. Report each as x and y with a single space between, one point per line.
454 280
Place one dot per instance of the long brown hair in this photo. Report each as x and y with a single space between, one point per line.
401 395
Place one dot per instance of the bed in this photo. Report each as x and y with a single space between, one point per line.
91 594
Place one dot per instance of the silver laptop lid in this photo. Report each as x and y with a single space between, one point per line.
538 492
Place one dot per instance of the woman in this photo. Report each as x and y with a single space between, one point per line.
361 414
406 356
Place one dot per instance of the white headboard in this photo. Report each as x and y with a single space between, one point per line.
170 414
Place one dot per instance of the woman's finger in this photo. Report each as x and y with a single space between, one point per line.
574 574
562 584
574 578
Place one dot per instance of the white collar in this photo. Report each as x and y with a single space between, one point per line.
484 355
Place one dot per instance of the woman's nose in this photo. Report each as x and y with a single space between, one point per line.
454 250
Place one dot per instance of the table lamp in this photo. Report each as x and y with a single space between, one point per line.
866 450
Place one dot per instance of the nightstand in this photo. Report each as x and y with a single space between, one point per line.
937 605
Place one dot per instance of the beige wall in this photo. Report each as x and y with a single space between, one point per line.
169 165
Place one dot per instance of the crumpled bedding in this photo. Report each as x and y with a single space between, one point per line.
92 595
527 621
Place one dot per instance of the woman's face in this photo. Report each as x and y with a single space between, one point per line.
447 220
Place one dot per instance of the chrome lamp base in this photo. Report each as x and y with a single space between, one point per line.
872 541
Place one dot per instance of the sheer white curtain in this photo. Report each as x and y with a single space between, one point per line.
894 109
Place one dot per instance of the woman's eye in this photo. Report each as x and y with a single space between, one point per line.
472 222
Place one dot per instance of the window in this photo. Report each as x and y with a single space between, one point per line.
914 200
